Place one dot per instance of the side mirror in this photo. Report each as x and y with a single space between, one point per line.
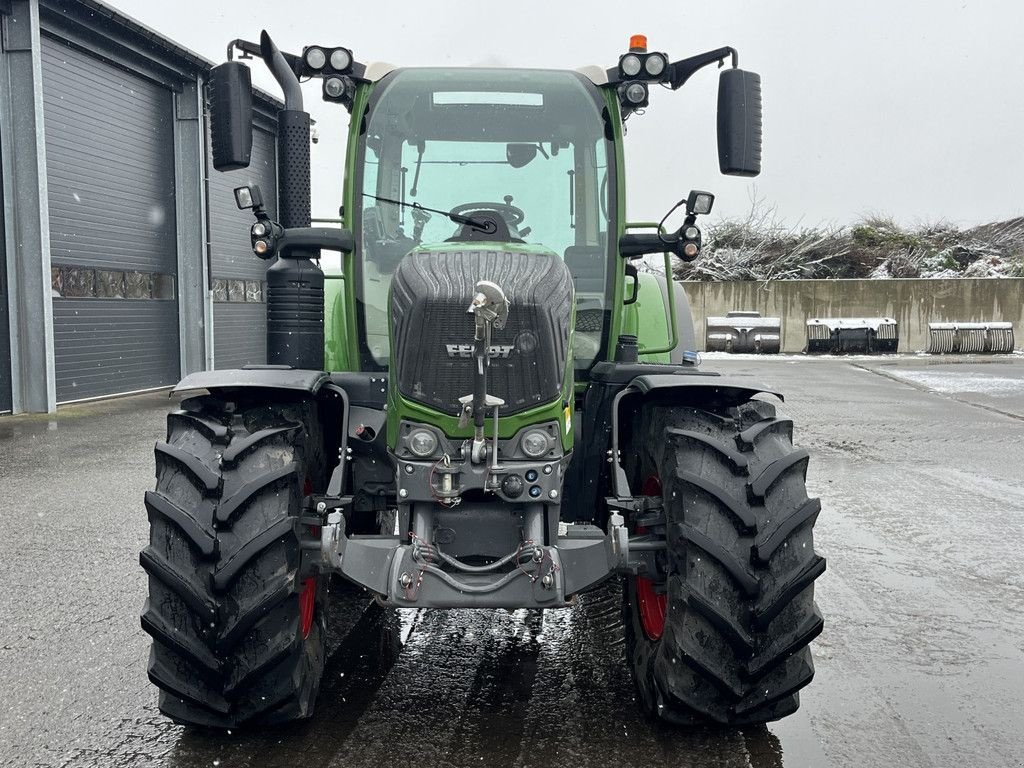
739 123
519 155
231 115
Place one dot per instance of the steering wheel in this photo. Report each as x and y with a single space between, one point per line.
510 213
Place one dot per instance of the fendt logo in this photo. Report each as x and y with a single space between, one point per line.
466 350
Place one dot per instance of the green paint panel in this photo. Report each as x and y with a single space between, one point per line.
650 319
336 335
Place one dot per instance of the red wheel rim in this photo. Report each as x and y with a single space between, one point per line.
307 606
307 598
651 604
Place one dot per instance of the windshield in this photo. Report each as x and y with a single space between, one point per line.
524 149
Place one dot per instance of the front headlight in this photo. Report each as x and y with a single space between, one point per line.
535 443
422 442
630 65
316 58
655 64
340 59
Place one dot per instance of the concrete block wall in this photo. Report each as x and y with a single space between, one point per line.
913 303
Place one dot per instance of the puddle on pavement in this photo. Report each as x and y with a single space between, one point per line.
491 688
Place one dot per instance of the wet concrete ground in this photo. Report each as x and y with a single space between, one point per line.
920 467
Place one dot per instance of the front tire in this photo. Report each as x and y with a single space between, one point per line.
238 627
735 591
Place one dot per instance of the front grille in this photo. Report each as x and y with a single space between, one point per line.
433 333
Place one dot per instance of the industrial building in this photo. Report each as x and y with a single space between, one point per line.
124 263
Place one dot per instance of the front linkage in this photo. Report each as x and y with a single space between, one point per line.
538 562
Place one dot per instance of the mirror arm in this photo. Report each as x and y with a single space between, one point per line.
248 49
314 238
632 246
681 71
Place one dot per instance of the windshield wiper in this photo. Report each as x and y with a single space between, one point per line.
482 225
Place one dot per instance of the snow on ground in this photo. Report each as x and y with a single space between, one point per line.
952 381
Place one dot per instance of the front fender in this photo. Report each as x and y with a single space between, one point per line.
721 388
263 377
616 393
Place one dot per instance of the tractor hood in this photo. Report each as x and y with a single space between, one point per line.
432 333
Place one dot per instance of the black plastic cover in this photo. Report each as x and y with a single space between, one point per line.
433 333
295 314
293 181
739 123
366 389
231 115
718 387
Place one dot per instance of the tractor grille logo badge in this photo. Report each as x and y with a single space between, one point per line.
502 351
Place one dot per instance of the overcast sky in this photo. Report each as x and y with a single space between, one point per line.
910 109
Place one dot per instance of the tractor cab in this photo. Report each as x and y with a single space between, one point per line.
514 160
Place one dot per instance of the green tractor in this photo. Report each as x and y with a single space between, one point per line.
486 406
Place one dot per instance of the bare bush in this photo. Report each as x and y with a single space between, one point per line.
759 247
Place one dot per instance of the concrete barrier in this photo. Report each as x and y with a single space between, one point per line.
913 303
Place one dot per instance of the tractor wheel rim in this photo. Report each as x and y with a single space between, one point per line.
307 606
307 598
652 606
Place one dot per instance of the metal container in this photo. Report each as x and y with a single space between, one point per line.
969 338
846 335
743 331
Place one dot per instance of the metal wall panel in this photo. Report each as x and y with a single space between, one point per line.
109 164
241 337
239 316
110 170
106 346
230 251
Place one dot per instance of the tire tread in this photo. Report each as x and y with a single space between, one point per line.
735 647
223 561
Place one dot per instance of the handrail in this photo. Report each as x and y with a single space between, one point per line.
673 331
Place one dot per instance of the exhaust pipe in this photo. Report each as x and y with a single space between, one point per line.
295 284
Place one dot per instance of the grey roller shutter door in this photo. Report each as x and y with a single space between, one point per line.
239 308
5 338
110 171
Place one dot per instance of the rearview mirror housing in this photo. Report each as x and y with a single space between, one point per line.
519 155
739 123
231 116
